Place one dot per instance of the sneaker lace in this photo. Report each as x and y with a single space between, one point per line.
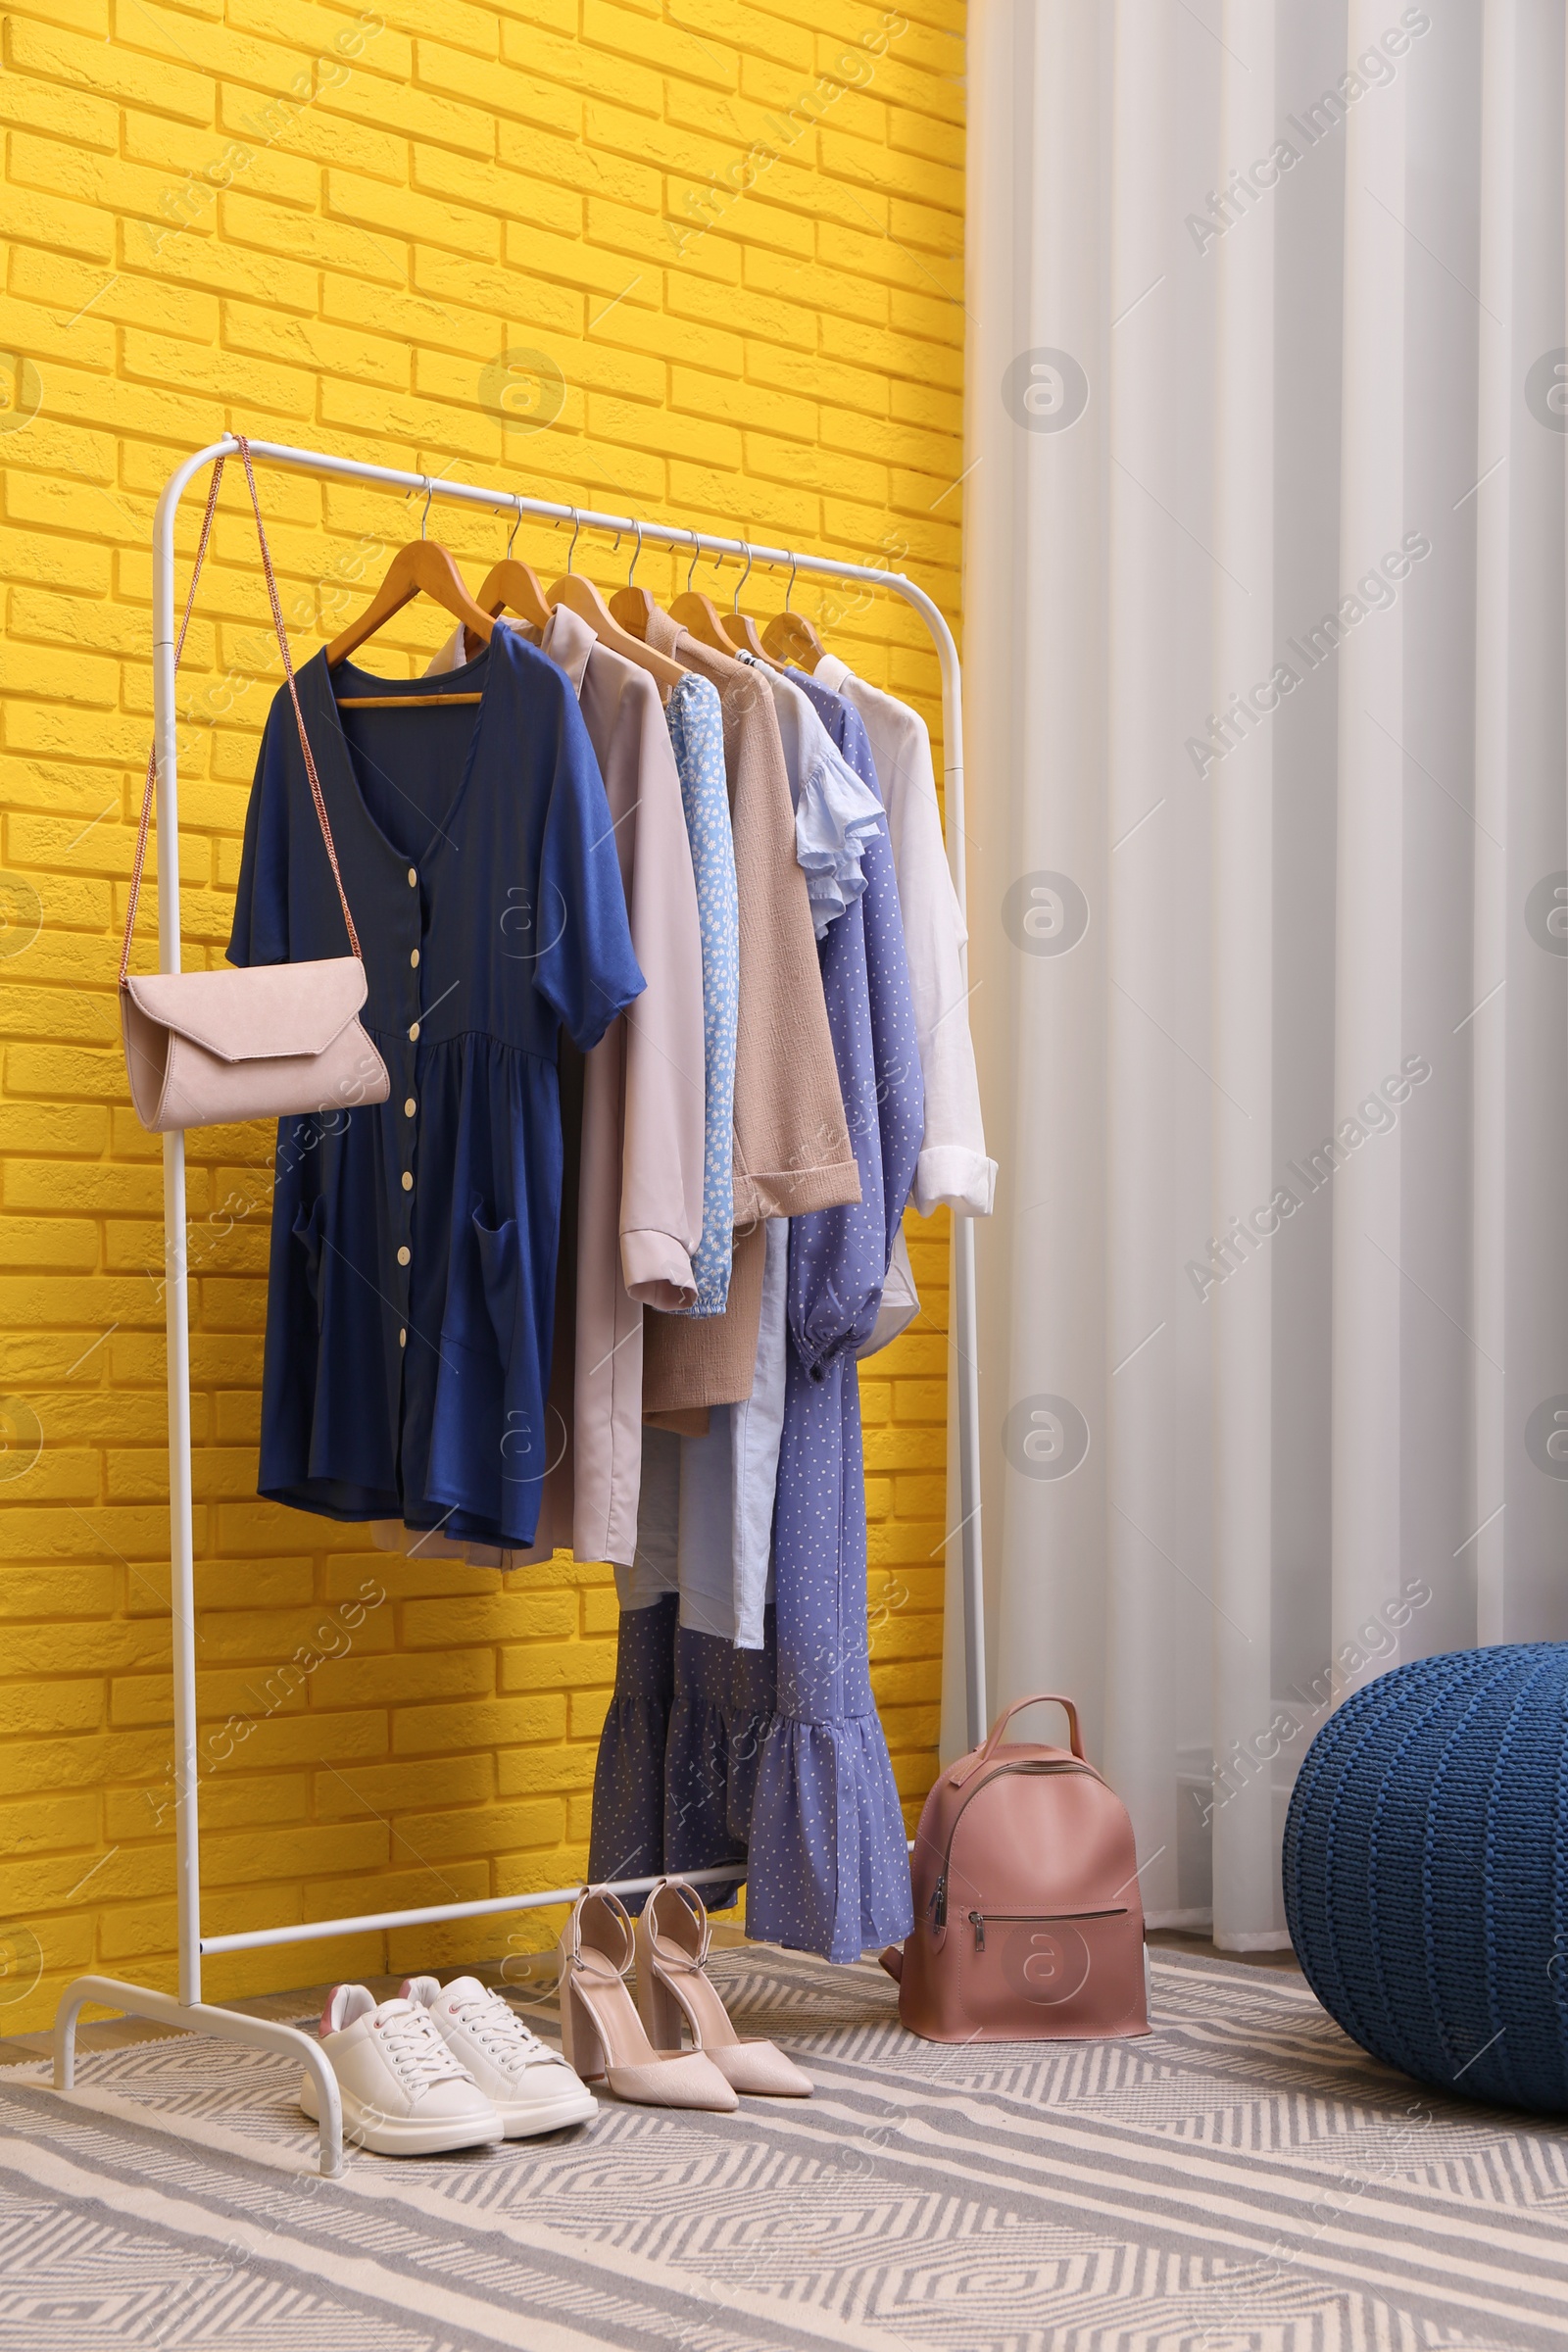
418 2055
501 2033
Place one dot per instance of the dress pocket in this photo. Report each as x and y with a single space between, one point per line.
498 1270
310 1232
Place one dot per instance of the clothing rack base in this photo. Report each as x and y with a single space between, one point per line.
187 2011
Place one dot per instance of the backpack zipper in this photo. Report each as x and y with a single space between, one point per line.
938 1905
1007 1919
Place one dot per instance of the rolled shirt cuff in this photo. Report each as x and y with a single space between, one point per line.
796 1192
658 1271
949 1176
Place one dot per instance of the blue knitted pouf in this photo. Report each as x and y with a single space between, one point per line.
1426 1871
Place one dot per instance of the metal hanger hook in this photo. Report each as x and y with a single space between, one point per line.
692 565
790 590
577 530
735 602
517 523
637 554
429 493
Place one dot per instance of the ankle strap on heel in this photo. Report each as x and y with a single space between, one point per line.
670 1954
596 1903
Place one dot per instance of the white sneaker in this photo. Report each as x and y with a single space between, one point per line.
404 2092
532 2087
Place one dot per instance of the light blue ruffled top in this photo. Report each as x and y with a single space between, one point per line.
835 814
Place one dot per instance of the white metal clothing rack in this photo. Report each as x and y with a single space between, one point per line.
188 2010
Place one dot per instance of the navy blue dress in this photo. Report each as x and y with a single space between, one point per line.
412 1288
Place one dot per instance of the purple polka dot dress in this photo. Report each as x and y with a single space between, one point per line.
829 1866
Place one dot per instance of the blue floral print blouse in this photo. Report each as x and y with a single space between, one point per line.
697 732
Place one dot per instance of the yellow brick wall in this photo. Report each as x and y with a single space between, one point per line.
697 259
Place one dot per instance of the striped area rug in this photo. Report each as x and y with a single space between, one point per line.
1243 2179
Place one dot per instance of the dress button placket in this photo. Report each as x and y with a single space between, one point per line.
406 1252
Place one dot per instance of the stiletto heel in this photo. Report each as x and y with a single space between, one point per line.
600 2031
672 1984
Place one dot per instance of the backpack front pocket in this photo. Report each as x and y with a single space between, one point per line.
1022 1974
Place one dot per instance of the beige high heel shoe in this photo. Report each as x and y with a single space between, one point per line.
600 2031
672 1982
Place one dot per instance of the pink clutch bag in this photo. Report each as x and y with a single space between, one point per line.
1028 1925
203 1048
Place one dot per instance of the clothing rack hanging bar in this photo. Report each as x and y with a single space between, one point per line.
187 2010
254 1939
555 1897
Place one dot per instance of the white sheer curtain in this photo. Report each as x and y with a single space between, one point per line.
1268 875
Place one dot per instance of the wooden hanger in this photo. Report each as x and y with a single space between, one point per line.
698 614
513 587
580 596
790 636
510 587
423 567
740 628
634 606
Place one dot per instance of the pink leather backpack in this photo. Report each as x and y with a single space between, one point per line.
1028 1924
